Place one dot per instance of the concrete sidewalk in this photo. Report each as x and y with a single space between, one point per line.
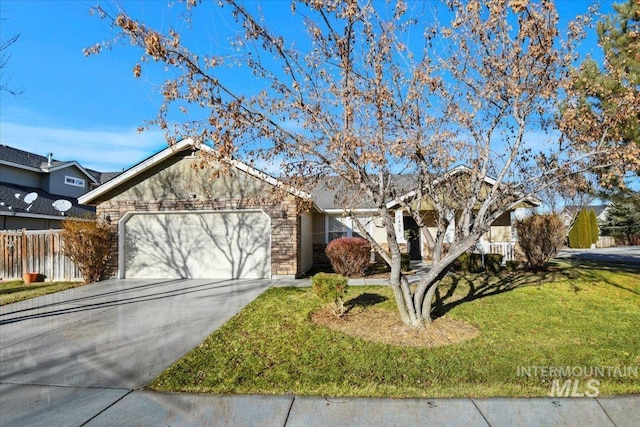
33 405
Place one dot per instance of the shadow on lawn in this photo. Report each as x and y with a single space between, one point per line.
466 288
19 286
365 300
591 270
470 287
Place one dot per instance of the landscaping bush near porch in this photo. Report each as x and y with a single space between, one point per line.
570 316
349 256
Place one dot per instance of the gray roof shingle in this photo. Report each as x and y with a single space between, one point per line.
25 158
12 200
21 157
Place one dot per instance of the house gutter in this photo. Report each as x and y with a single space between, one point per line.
40 216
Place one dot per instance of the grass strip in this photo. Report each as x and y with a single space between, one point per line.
16 290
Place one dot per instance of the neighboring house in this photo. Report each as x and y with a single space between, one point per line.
38 192
175 219
569 213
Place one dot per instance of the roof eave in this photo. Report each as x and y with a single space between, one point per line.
161 156
69 164
34 215
20 166
141 167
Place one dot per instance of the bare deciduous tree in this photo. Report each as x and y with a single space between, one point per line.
4 61
462 107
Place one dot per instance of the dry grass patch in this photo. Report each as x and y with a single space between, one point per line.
383 326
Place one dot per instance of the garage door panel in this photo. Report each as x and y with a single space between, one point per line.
197 245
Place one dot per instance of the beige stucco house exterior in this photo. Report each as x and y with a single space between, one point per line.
175 216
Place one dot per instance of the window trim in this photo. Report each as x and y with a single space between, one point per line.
348 227
72 180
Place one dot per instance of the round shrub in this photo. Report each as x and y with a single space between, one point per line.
349 256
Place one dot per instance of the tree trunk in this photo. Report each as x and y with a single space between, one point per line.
401 291
427 303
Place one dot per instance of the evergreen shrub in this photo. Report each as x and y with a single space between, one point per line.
331 289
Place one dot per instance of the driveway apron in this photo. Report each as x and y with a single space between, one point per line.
116 334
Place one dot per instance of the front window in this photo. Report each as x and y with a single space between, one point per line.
76 182
336 228
343 226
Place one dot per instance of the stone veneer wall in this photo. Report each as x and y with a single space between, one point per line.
285 232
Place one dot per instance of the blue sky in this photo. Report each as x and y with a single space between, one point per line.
89 108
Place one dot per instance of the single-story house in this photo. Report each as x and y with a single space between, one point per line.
176 218
330 223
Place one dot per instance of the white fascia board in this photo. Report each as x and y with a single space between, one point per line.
135 170
168 152
48 170
19 166
394 203
69 164
529 199
345 210
458 169
264 177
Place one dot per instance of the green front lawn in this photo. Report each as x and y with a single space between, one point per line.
17 290
573 317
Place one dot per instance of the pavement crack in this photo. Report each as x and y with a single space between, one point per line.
481 414
107 408
286 420
605 412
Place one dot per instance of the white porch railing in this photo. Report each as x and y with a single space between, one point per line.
506 249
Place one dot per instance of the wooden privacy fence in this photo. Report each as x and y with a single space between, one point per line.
35 252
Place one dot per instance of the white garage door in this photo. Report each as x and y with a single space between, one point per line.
211 244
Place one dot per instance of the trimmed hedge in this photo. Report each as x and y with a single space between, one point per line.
472 263
493 263
468 263
512 266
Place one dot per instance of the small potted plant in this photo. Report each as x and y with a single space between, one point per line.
31 277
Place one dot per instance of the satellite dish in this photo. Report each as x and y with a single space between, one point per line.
18 195
31 197
61 205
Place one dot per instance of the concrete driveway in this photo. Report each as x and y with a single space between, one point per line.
628 255
113 335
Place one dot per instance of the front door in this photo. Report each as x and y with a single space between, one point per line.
412 234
